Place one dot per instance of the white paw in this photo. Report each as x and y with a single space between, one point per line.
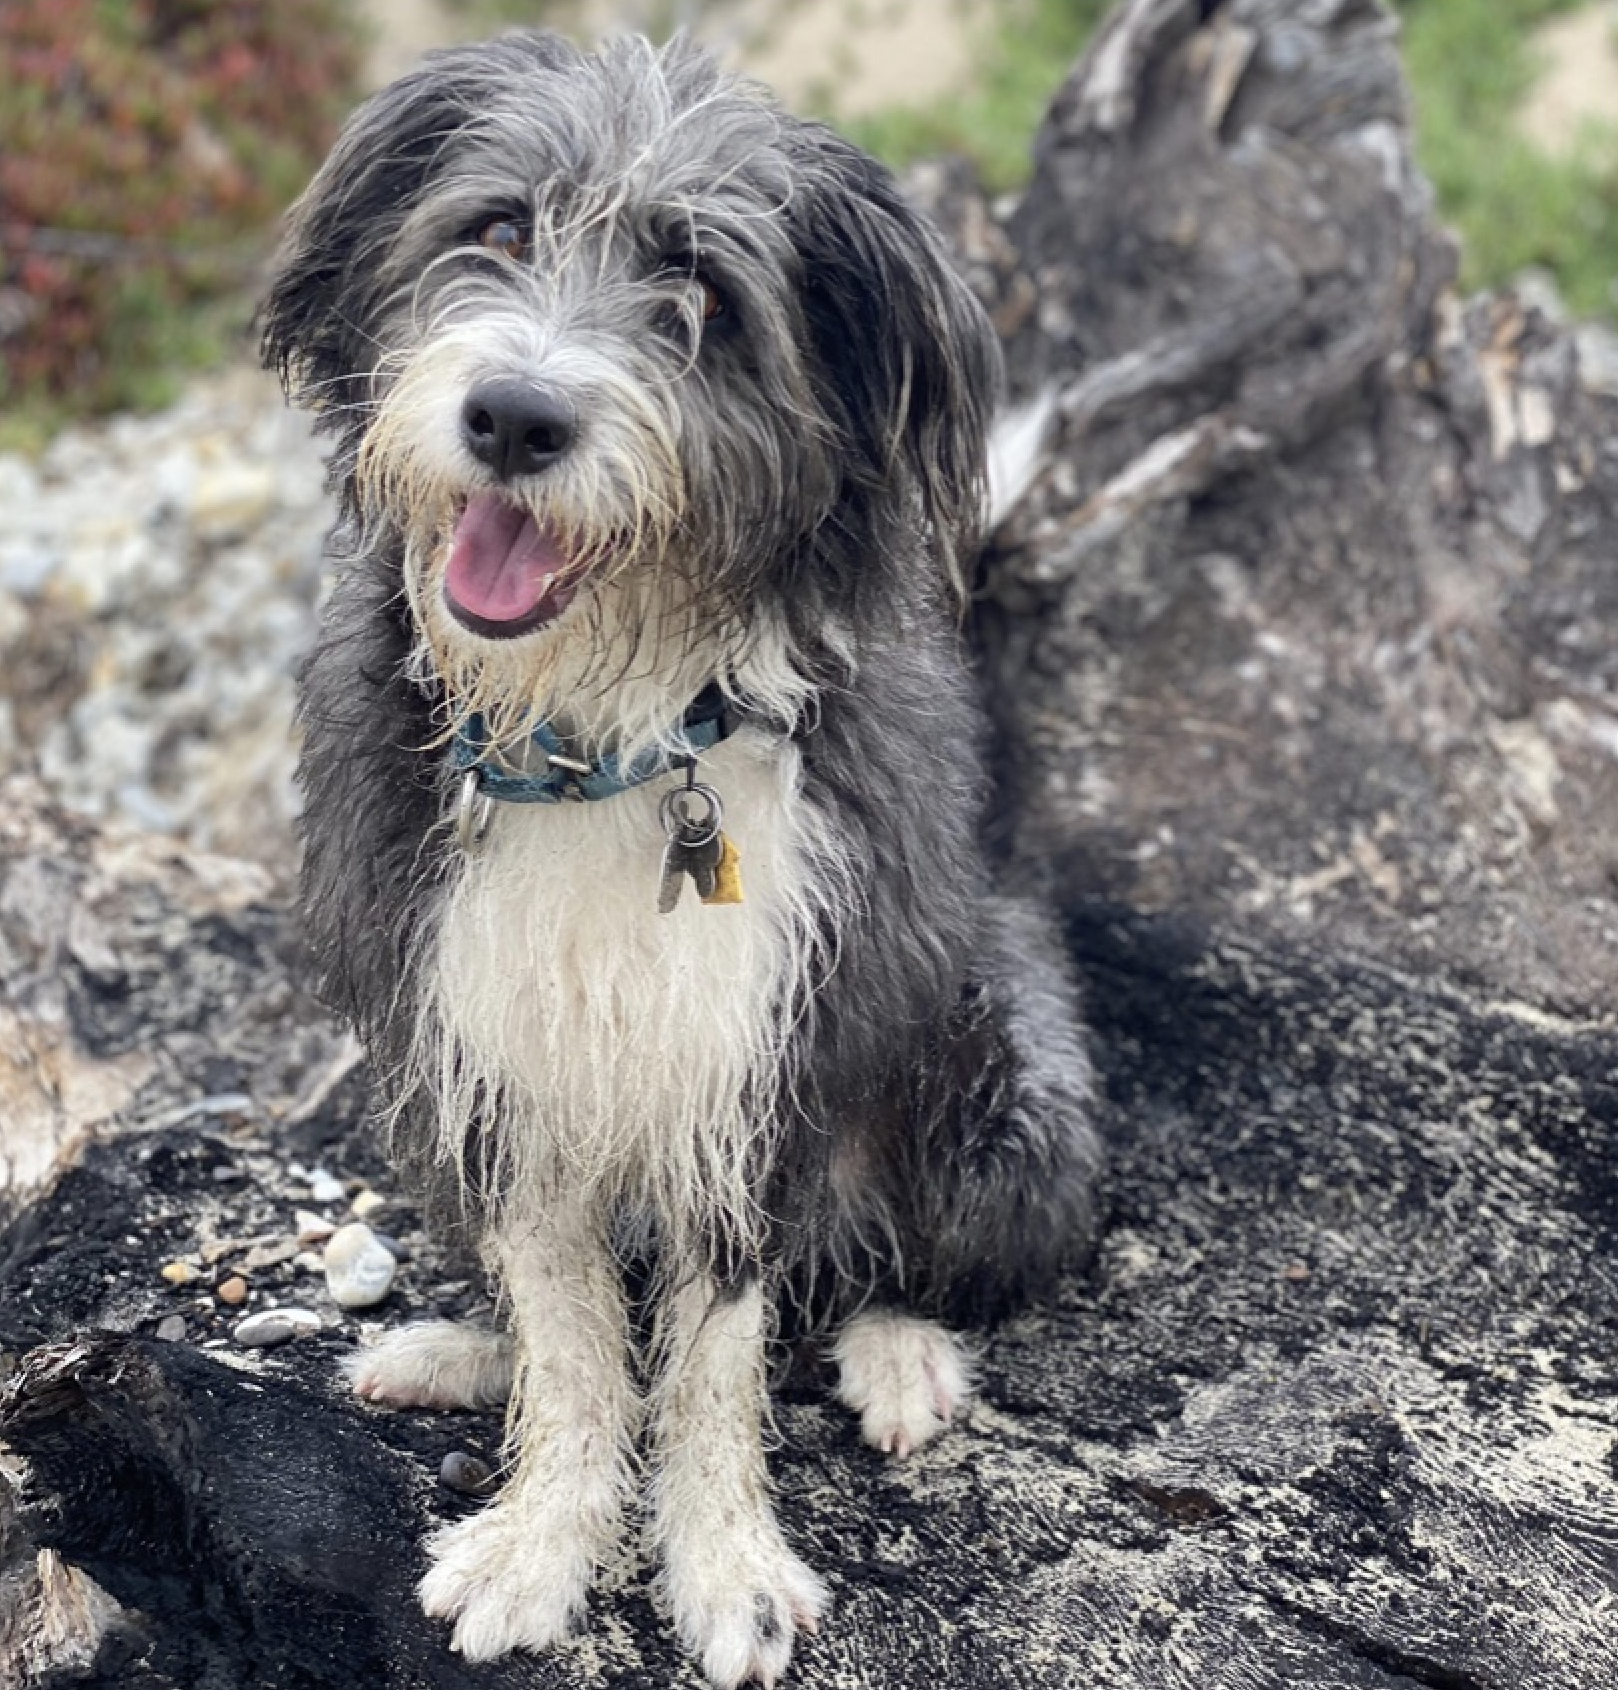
905 1377
435 1364
509 1577
740 1612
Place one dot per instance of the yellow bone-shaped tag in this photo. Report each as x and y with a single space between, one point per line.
728 875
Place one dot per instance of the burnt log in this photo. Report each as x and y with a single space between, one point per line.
1299 659
1308 626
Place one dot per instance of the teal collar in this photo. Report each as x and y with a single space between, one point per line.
557 777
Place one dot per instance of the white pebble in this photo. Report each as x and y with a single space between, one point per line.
324 1188
274 1326
359 1267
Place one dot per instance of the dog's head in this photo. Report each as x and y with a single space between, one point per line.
621 357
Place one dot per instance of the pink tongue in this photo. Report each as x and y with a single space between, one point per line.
503 566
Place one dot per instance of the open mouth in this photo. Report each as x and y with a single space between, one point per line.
508 574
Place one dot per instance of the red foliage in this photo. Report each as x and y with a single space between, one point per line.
145 148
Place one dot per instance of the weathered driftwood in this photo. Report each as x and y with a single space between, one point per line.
1306 706
1309 626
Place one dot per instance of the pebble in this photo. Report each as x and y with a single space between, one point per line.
312 1228
232 1291
359 1267
216 1249
275 1326
171 1328
263 1256
367 1203
179 1273
325 1187
466 1473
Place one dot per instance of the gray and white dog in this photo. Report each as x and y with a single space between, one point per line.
660 427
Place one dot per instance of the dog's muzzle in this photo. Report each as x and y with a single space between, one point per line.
508 572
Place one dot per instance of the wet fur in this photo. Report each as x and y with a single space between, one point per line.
858 1101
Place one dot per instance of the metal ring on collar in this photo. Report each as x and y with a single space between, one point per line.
676 818
472 813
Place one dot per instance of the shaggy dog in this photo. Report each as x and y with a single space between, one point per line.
642 781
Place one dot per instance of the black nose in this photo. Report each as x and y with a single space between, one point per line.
516 428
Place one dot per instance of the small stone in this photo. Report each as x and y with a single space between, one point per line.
263 1256
171 1328
308 1261
359 1267
312 1228
275 1326
216 1251
324 1188
466 1473
263 1331
399 1252
232 1291
179 1273
367 1203
230 500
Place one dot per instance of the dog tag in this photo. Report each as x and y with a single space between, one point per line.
672 883
727 886
697 849
694 850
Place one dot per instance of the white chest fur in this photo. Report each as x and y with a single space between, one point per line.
624 1054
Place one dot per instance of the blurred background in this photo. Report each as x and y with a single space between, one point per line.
161 514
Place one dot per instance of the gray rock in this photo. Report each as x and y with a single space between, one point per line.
466 1474
270 1327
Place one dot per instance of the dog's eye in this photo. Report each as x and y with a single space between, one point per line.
713 301
506 236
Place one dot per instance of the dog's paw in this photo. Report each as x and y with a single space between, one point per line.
905 1377
740 1614
435 1364
509 1578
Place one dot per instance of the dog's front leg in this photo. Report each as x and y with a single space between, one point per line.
516 1575
737 1593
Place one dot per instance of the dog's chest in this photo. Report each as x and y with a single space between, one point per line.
619 1032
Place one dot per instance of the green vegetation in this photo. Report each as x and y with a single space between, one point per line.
1471 65
1026 49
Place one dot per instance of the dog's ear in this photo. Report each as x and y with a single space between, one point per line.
332 276
910 361
324 289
